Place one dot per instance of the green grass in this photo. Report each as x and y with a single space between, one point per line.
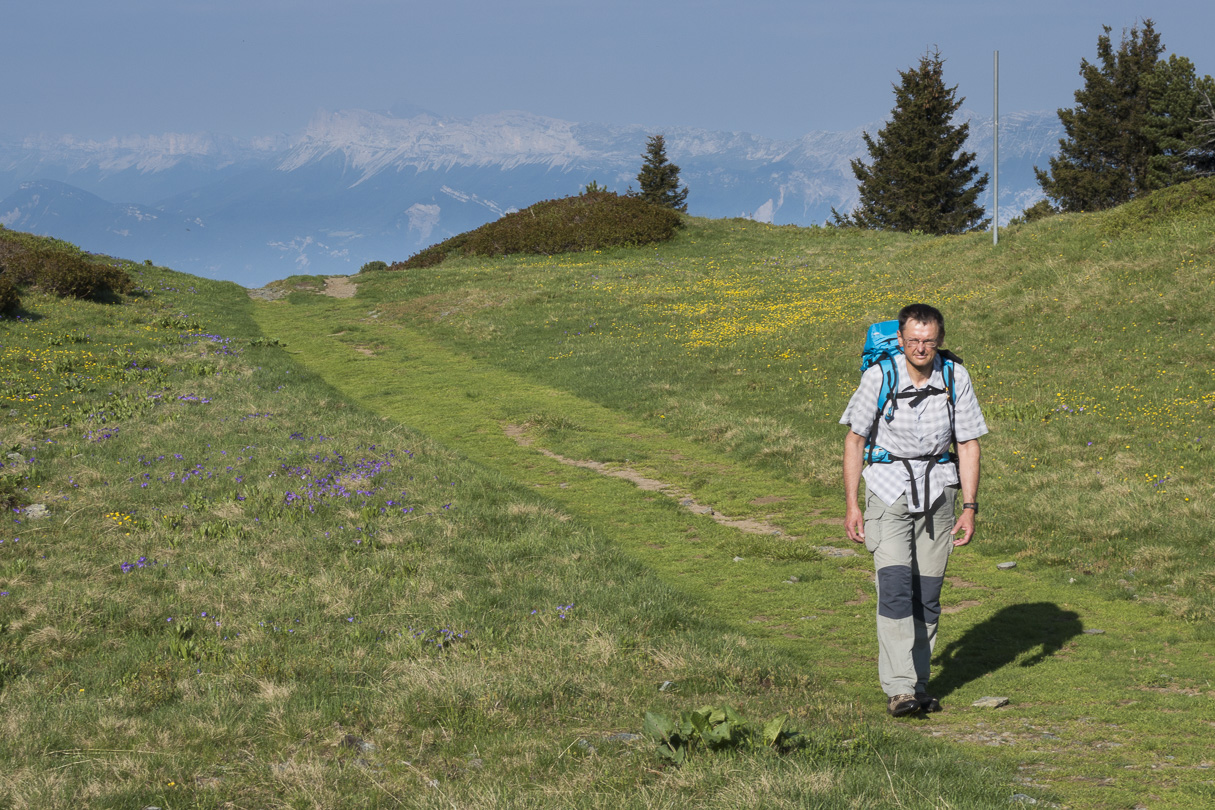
1091 349
530 434
719 363
250 590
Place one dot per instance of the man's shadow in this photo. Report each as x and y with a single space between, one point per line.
1001 639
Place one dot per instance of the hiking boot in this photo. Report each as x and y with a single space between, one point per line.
928 703
902 705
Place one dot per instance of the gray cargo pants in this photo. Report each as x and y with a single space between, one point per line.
910 571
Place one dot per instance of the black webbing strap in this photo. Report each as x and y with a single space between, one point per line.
918 395
933 461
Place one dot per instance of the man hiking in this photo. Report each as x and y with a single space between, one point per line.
908 409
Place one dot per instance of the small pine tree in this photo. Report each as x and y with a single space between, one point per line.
659 179
918 178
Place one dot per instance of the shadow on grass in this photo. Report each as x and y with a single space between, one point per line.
1003 638
20 313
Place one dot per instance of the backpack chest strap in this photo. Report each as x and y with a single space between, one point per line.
918 395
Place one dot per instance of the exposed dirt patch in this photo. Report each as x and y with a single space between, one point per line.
990 738
847 550
1172 690
340 287
767 499
958 582
268 293
747 525
335 286
516 432
960 606
861 598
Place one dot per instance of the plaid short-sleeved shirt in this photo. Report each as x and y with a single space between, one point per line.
915 431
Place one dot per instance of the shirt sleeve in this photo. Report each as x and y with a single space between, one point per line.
863 405
968 418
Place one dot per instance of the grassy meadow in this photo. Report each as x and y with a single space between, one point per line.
447 542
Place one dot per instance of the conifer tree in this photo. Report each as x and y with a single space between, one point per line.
918 177
1104 159
659 179
1177 99
1204 136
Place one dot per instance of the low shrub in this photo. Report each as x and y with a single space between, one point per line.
593 220
67 274
1039 210
18 259
59 267
9 300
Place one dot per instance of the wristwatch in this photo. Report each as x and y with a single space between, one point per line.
974 506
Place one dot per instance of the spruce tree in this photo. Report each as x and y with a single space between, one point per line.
918 178
1104 160
1176 102
1203 158
659 179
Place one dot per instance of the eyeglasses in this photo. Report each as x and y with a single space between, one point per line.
927 344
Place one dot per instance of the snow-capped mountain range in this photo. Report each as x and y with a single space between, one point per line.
357 186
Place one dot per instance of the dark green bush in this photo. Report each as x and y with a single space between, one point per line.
17 256
9 300
435 254
68 274
59 267
1039 210
593 220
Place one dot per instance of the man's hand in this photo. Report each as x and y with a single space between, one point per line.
965 525
854 522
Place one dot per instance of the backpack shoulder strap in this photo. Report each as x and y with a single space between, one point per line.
887 399
949 361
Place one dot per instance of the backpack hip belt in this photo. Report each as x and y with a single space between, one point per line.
881 456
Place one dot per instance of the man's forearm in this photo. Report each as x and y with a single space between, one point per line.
968 470
854 454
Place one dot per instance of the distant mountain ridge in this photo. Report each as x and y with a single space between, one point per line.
355 186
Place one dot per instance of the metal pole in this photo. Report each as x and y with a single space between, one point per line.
995 221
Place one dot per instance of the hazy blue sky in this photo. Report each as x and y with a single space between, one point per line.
778 68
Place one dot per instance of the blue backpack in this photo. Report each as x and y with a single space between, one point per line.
881 346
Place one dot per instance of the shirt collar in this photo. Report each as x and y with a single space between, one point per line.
936 378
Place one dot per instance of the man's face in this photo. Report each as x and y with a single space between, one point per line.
919 342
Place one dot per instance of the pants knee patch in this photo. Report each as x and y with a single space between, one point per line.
894 592
926 605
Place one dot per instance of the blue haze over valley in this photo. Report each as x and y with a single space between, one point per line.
355 186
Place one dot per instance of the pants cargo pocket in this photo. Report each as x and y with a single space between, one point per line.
874 509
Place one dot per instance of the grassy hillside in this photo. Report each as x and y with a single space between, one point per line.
719 364
1090 338
447 542
225 584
